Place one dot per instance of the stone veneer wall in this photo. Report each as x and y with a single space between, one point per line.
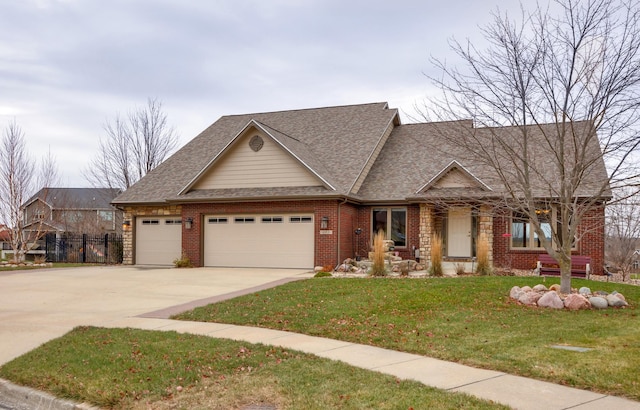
130 214
485 227
426 230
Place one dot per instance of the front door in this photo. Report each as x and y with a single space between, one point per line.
459 233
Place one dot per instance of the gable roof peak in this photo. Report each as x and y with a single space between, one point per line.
453 165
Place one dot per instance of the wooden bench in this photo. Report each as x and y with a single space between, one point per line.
580 266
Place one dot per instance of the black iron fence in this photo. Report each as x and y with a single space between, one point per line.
83 248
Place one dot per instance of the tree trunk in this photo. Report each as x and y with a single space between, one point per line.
565 274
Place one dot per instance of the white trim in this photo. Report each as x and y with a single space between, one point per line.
453 164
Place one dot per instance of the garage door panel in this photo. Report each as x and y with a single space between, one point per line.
278 241
158 240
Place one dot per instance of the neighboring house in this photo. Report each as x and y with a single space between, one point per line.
5 241
302 188
77 210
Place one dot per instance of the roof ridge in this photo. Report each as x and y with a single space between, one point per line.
305 109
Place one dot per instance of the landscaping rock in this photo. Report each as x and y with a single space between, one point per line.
317 269
540 288
575 301
620 295
529 298
555 287
615 301
515 292
599 302
551 300
584 291
600 293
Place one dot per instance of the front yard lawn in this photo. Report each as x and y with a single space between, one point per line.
469 320
138 369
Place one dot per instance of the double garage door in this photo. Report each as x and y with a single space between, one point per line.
265 241
261 240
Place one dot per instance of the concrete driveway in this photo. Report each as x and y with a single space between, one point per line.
39 305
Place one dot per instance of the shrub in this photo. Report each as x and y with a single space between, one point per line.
378 267
436 255
322 274
459 268
482 252
327 268
39 259
183 261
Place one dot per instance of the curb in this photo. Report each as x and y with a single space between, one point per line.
27 398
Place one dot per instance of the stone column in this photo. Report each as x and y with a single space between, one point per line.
426 231
485 220
127 239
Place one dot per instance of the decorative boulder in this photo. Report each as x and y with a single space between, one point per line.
526 289
575 301
600 293
584 291
515 292
555 287
599 302
620 295
317 269
551 300
615 301
529 298
540 288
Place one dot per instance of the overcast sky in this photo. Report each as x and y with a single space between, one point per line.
69 66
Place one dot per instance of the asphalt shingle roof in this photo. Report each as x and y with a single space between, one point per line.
76 198
336 142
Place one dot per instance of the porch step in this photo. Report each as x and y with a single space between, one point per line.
449 267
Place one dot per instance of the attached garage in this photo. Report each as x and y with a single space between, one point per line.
265 241
158 240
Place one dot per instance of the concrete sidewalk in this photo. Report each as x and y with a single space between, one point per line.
517 392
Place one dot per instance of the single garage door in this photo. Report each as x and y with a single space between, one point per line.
158 240
265 241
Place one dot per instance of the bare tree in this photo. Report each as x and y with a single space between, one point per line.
133 146
18 176
566 86
623 232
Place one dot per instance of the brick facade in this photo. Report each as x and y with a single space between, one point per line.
590 243
339 240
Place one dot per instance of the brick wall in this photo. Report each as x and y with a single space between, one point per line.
326 240
590 243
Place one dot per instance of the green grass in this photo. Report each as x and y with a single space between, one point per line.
138 369
468 320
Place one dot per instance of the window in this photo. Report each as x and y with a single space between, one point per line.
217 220
393 222
244 220
173 222
106 216
522 232
272 219
300 219
150 222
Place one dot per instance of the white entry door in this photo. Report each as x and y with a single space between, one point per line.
459 232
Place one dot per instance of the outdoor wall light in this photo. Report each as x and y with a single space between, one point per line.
126 224
324 222
188 222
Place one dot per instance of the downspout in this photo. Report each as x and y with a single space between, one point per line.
338 234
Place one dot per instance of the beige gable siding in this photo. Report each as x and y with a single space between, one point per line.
455 179
372 160
271 166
